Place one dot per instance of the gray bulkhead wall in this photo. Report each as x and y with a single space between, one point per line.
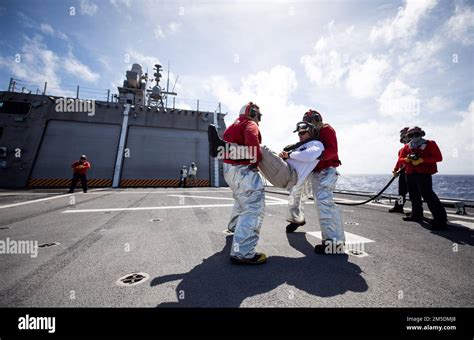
161 153
65 141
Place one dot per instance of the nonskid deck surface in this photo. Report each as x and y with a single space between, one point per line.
174 238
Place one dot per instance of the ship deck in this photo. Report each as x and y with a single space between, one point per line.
176 237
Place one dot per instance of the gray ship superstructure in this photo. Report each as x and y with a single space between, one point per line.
131 140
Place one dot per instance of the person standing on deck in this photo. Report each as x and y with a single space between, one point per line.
399 171
325 177
420 157
80 168
246 185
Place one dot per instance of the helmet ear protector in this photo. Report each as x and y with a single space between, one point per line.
253 111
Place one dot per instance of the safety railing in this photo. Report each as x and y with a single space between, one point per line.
68 91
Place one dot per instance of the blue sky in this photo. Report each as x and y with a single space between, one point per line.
370 67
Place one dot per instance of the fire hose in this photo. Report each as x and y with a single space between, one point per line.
375 196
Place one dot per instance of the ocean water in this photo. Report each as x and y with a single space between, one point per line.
445 186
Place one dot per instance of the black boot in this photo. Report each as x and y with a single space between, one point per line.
396 209
293 226
259 258
214 140
328 247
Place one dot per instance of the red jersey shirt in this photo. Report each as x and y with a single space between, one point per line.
430 154
244 131
81 170
399 164
327 136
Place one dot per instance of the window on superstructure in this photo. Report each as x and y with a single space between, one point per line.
13 107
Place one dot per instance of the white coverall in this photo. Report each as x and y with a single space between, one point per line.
192 175
324 183
248 211
296 201
304 159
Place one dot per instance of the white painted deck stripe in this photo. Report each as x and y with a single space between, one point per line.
37 200
350 238
159 208
469 225
205 197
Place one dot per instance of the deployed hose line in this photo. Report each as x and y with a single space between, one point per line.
373 197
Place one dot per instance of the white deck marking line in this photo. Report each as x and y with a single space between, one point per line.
276 199
425 211
469 225
407 209
225 198
35 201
28 193
169 191
350 238
159 208
208 197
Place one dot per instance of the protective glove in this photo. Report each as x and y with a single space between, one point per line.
417 162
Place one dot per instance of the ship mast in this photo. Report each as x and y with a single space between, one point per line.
156 94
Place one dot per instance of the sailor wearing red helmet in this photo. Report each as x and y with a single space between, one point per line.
399 170
324 182
420 157
247 186
79 168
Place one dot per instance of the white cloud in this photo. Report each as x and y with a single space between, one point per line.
325 68
172 28
336 60
358 143
144 60
88 7
78 69
159 33
272 91
364 80
404 24
37 65
327 65
118 3
399 101
460 27
421 57
48 29
438 104
26 21
457 152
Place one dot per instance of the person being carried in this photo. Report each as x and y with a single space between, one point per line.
292 169
289 168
